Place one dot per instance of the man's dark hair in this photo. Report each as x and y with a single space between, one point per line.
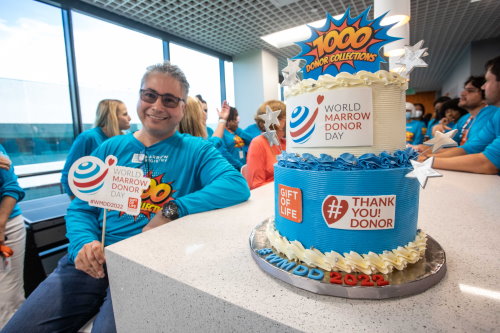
493 65
477 82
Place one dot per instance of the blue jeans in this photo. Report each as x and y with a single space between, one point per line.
65 301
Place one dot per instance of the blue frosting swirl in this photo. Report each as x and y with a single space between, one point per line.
347 161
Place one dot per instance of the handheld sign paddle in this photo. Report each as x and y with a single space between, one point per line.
107 185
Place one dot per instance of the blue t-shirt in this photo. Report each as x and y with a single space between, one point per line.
475 125
181 167
210 132
430 125
84 144
487 141
415 131
253 130
237 145
10 187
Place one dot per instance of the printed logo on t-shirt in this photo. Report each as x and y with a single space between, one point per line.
156 195
409 136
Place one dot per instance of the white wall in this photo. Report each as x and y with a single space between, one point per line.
471 63
255 81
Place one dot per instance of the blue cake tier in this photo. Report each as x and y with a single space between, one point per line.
314 232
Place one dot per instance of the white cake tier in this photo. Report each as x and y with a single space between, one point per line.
388 111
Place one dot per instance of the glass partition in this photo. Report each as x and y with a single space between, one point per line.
35 121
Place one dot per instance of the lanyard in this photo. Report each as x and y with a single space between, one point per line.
466 129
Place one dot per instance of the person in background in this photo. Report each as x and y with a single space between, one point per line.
204 107
419 111
111 119
472 99
190 177
452 113
480 154
194 124
12 241
235 139
415 129
436 116
261 155
193 121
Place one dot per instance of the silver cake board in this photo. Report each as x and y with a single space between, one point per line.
416 278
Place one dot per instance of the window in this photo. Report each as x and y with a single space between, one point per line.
35 121
203 75
110 62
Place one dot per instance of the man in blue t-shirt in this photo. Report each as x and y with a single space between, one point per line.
482 153
188 175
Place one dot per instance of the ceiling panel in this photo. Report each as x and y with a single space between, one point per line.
234 26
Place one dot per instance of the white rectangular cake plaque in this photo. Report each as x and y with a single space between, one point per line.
359 212
334 118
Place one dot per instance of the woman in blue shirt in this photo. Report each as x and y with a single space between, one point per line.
236 139
111 119
12 241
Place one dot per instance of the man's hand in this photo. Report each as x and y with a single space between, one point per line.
156 221
5 162
90 259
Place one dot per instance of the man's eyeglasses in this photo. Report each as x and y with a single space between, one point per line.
168 100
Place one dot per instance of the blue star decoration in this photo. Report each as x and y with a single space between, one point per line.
270 118
333 48
442 140
422 171
412 58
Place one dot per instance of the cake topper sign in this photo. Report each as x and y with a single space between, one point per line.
347 45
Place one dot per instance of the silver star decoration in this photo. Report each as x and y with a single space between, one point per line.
270 117
442 140
289 80
411 58
272 138
292 68
422 171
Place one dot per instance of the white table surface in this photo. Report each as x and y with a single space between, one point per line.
197 273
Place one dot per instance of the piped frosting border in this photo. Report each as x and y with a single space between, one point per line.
351 262
347 161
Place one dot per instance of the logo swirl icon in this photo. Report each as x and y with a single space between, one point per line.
87 175
302 122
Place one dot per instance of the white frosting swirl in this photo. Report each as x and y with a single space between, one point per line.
370 263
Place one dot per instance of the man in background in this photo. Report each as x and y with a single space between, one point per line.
480 154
